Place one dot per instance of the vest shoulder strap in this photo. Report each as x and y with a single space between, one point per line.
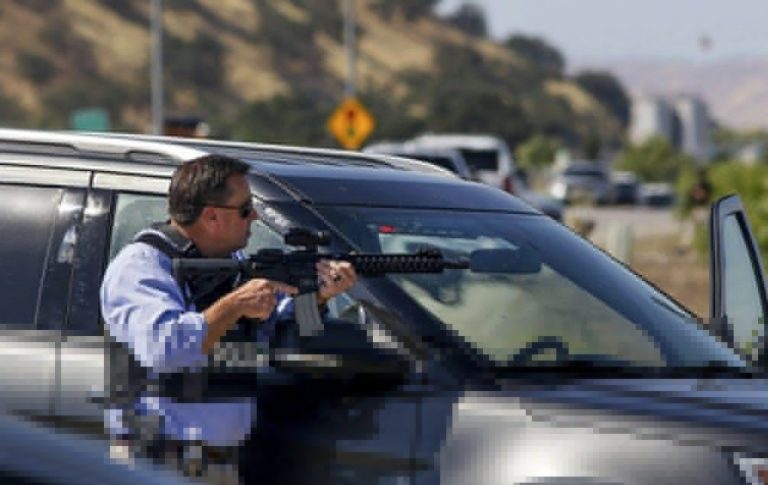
160 243
173 245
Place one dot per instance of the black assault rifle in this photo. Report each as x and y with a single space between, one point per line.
297 268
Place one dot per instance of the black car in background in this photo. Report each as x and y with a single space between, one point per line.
546 362
626 188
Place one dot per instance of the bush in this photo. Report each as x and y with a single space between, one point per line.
198 64
605 88
751 184
291 119
537 151
39 6
538 52
470 19
127 9
11 114
71 51
726 178
410 9
62 100
293 40
36 68
655 161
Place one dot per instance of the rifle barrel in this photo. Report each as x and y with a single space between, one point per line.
425 262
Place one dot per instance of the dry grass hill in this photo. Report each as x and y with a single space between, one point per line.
227 60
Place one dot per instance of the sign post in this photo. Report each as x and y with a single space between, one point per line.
351 124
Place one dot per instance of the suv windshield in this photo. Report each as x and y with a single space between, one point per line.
537 292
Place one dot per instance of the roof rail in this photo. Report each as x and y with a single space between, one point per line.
63 144
246 149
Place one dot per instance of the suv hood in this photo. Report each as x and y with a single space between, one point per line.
642 432
721 411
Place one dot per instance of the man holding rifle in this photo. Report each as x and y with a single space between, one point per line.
165 403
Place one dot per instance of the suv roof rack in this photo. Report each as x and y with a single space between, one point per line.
68 144
287 153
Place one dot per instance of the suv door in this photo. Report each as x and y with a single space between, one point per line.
117 207
319 407
738 300
39 222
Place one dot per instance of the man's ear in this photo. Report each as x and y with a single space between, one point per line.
208 214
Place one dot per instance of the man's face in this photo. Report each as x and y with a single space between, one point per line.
233 230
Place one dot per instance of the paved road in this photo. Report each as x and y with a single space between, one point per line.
643 221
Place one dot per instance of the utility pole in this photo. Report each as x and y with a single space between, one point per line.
350 85
156 71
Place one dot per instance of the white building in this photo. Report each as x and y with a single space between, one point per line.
682 120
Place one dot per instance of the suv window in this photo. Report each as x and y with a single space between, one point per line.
26 222
134 212
481 159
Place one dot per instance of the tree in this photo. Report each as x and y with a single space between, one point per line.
537 151
34 67
469 18
750 183
489 100
11 114
655 161
198 63
604 87
476 109
295 119
538 52
393 120
591 146
410 9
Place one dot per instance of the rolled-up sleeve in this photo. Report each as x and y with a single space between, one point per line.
143 307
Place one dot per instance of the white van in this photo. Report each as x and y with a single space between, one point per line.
487 156
490 161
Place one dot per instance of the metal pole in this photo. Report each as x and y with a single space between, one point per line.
350 87
156 71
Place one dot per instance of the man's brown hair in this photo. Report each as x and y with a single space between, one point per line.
201 181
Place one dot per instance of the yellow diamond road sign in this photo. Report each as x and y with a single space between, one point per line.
351 124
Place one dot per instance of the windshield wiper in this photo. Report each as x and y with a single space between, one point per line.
580 366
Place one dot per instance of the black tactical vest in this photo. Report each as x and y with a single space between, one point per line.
232 366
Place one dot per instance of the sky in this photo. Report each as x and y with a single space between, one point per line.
606 30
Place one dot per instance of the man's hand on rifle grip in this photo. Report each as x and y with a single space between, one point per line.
257 297
335 277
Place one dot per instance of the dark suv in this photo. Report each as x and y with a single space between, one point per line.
547 362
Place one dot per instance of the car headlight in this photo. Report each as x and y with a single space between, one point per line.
754 470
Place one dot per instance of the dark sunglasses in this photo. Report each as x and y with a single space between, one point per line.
244 210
